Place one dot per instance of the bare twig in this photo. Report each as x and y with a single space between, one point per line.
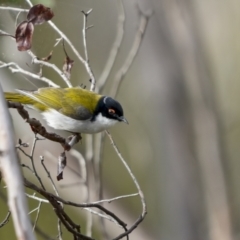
54 201
13 176
116 198
35 60
37 198
26 166
115 48
13 9
84 32
89 180
49 175
15 68
82 164
32 161
59 229
16 20
144 207
87 65
132 54
6 220
38 212
56 192
32 211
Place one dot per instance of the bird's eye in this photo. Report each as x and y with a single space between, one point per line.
111 111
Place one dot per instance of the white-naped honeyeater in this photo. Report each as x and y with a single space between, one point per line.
75 109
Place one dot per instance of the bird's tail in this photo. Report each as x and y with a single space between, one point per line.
18 98
25 100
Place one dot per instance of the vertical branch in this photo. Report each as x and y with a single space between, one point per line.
84 31
132 54
56 192
115 48
33 164
89 179
38 212
12 175
144 207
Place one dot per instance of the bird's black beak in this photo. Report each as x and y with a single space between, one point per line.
123 119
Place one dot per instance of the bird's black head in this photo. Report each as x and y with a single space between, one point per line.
109 108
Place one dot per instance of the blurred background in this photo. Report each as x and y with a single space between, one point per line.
180 97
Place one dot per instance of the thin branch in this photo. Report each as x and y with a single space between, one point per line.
89 173
14 9
6 220
84 32
59 229
35 60
32 211
116 198
87 65
103 216
115 48
16 20
33 162
82 164
98 156
56 192
26 166
144 207
15 68
132 54
49 175
37 198
38 212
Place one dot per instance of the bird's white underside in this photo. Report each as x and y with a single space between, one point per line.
61 122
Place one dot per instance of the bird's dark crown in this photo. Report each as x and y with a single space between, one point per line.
109 108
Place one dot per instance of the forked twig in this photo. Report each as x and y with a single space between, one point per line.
15 68
133 52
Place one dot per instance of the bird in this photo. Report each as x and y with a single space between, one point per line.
75 110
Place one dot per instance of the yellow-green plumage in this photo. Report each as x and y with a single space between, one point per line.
64 100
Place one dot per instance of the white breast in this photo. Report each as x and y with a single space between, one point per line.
61 122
